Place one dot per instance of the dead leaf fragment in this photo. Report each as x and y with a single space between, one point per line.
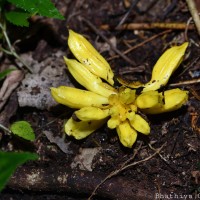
85 158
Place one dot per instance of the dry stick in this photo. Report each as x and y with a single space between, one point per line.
134 3
142 43
148 40
155 25
133 156
194 13
107 40
158 153
190 65
141 161
147 26
195 94
125 167
186 29
194 81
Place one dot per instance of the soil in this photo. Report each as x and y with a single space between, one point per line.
70 169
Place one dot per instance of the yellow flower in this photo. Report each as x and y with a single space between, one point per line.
119 107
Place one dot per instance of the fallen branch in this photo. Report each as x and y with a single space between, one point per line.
51 179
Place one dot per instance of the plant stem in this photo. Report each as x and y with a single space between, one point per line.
4 128
11 50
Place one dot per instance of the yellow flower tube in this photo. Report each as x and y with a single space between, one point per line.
87 79
89 56
172 100
76 98
165 66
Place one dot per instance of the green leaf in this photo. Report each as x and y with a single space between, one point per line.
43 7
9 162
18 18
46 8
27 5
4 73
23 129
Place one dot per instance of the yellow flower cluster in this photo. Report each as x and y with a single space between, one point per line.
119 107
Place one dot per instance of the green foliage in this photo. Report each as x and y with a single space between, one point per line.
10 161
18 18
23 129
4 73
31 7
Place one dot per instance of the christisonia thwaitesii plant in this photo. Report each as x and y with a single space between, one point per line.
121 107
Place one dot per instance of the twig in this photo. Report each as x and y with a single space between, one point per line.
124 166
134 3
132 157
107 40
190 65
139 26
195 94
172 4
194 13
158 153
141 44
186 28
144 160
194 81
147 26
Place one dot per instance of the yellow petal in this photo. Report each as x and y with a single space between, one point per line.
127 135
175 98
113 122
165 66
140 125
91 113
147 99
87 79
172 100
118 110
126 95
82 129
76 98
130 115
163 69
89 56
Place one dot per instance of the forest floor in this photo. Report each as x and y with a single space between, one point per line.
163 165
